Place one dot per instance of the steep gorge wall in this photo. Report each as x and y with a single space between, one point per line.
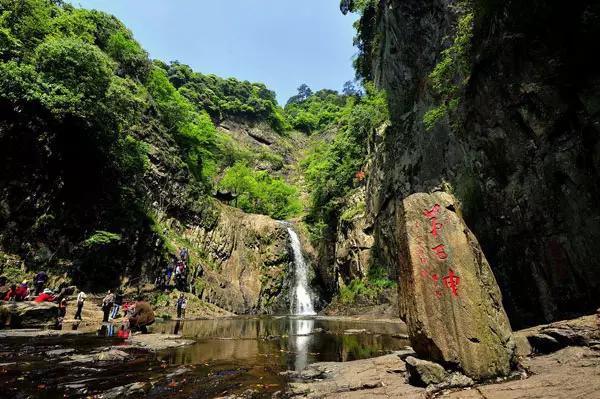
524 161
246 263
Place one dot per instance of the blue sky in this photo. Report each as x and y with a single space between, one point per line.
282 43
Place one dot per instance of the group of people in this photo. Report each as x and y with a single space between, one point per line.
23 292
136 315
111 304
177 269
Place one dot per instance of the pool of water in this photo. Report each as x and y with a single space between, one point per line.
230 356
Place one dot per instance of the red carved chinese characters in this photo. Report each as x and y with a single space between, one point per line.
433 213
439 252
452 281
432 216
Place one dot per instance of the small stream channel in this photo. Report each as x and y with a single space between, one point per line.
230 356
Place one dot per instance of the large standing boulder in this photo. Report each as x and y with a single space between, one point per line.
449 297
28 314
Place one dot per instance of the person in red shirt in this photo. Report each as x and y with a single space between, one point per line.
46 296
22 292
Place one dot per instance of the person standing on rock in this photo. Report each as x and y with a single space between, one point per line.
62 309
181 305
80 301
184 255
39 281
107 305
117 305
142 317
170 269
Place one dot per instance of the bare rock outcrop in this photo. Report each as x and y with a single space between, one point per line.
28 314
449 297
247 262
521 152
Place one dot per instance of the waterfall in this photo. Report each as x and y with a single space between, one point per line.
301 296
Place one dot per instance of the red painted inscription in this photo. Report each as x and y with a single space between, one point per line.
440 252
452 281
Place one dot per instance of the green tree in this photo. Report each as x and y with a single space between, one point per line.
258 192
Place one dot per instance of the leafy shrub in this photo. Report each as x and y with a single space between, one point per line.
258 192
193 131
351 212
365 289
102 238
330 168
132 59
356 288
450 75
310 112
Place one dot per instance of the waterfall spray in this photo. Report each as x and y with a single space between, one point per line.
301 295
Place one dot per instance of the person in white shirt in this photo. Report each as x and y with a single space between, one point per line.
80 300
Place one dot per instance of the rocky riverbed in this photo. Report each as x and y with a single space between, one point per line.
281 357
559 360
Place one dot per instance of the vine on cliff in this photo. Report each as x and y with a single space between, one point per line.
451 74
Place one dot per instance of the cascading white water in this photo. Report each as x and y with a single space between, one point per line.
301 299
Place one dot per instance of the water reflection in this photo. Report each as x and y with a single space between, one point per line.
287 343
301 338
230 355
178 327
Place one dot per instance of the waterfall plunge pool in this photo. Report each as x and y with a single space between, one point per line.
230 356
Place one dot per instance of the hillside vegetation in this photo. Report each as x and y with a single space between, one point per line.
99 145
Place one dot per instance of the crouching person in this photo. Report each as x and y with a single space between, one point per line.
142 317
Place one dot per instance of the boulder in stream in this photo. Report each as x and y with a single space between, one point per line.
449 297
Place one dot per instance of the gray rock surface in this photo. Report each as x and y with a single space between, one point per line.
448 294
135 389
157 342
28 314
110 355
423 373
59 352
583 331
523 155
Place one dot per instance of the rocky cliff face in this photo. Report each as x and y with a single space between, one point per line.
245 262
353 241
525 155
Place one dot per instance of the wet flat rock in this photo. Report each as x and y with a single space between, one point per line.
572 372
34 333
111 355
158 342
378 376
134 389
449 297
